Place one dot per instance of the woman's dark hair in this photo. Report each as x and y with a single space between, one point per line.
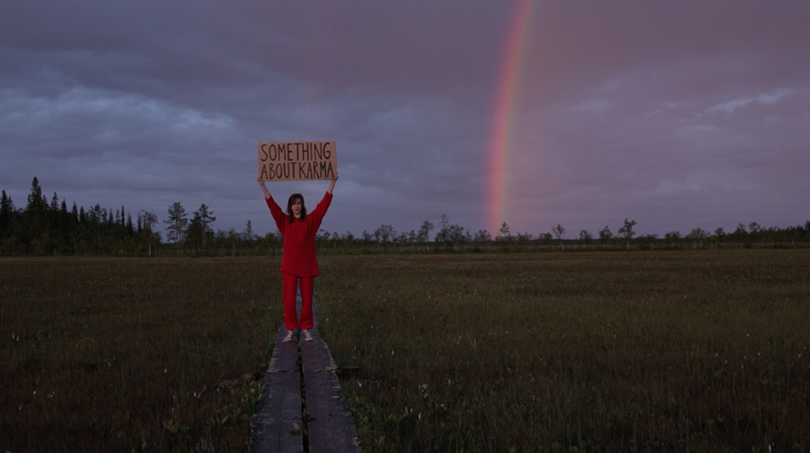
291 201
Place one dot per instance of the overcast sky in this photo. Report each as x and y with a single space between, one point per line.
674 114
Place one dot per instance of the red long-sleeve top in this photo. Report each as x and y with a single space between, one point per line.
298 256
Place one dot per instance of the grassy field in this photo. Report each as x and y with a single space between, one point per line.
604 351
102 354
656 351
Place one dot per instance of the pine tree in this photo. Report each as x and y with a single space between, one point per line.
36 201
146 220
248 235
503 233
424 231
627 232
6 216
205 219
34 221
177 222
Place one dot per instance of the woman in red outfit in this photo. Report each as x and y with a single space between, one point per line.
298 261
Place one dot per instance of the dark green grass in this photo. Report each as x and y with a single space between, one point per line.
641 351
101 354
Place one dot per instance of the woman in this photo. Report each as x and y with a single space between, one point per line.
298 261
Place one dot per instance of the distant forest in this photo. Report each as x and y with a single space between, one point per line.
45 228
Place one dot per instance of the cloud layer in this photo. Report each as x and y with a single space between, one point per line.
677 115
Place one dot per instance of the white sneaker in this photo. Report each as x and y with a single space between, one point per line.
289 336
307 336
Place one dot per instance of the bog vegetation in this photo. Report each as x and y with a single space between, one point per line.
696 350
123 354
46 227
669 351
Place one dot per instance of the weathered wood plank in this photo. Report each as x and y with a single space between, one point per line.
277 415
329 422
330 427
279 410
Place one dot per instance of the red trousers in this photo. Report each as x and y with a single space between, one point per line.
289 284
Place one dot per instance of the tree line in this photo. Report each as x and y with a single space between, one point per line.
48 227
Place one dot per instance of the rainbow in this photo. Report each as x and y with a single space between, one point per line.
505 108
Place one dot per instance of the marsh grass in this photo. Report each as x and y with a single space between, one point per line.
635 351
102 354
609 351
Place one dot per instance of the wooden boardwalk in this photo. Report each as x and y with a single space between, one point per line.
301 408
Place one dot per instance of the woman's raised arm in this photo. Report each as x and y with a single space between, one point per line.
332 184
264 188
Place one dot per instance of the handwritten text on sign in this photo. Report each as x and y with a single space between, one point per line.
297 161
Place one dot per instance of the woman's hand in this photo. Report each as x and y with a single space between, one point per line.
332 184
264 188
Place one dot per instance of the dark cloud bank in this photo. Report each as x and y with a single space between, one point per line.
677 115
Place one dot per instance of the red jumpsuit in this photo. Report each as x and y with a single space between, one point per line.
298 260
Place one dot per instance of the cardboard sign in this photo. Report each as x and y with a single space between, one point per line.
297 161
